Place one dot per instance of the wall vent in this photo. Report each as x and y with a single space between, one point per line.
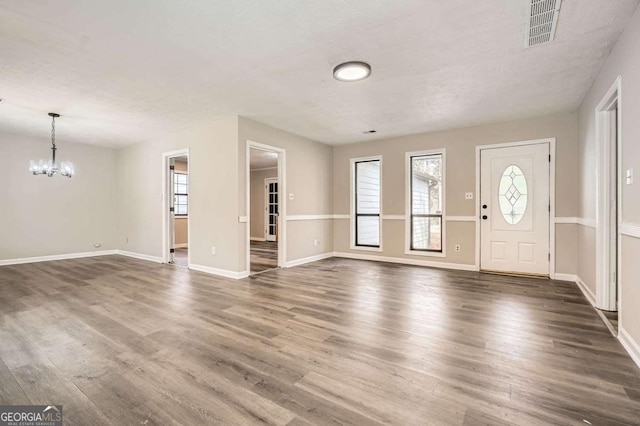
543 19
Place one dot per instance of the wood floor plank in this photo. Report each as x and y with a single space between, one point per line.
123 341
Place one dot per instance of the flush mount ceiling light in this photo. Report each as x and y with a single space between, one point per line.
352 71
50 167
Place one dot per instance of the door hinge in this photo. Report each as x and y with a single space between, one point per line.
171 209
172 167
549 157
549 256
172 250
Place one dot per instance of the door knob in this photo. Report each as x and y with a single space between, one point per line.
484 206
485 217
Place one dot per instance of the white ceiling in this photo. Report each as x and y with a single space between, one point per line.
123 71
259 159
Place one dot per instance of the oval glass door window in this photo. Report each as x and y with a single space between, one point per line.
512 194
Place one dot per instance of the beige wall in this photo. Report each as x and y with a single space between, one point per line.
42 216
212 217
460 147
257 200
309 178
624 61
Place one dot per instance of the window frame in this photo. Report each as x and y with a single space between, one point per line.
175 172
409 205
353 213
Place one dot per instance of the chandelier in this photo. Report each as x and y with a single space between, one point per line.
50 167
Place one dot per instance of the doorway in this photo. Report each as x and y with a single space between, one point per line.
608 133
515 197
264 208
175 208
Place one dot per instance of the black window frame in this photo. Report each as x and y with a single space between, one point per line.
428 215
175 195
355 204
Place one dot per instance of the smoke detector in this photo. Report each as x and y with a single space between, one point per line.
543 20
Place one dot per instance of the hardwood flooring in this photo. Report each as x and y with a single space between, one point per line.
264 256
181 257
121 341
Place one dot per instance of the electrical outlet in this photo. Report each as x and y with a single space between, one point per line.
213 251
457 247
468 195
316 242
97 245
629 176
291 195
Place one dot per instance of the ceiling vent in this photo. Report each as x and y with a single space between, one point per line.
543 19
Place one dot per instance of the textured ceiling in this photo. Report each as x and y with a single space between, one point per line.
123 72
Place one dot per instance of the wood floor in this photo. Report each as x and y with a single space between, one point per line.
121 341
264 256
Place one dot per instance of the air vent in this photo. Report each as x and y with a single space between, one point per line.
543 19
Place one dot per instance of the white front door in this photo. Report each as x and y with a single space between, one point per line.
515 209
271 209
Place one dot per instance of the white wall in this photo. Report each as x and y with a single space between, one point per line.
624 61
42 216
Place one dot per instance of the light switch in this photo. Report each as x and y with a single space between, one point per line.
468 195
629 176
291 195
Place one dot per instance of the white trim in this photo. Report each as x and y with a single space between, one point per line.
461 218
302 261
49 258
630 229
264 168
341 216
352 203
262 239
282 189
313 217
586 291
392 217
552 195
406 261
141 256
407 205
242 219
605 286
565 277
181 245
219 272
566 220
631 346
586 222
165 203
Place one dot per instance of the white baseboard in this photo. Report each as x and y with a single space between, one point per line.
566 277
586 291
219 272
181 245
258 239
406 261
631 346
156 259
57 257
302 261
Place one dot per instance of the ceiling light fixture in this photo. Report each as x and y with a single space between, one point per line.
50 167
352 71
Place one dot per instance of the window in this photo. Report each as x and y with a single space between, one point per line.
181 193
426 202
366 202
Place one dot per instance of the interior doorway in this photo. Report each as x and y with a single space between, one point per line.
175 208
516 208
264 209
608 132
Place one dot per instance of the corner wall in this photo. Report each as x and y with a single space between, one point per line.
43 216
623 61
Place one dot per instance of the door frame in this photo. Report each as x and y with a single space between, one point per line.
282 189
552 196
166 202
266 206
605 289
